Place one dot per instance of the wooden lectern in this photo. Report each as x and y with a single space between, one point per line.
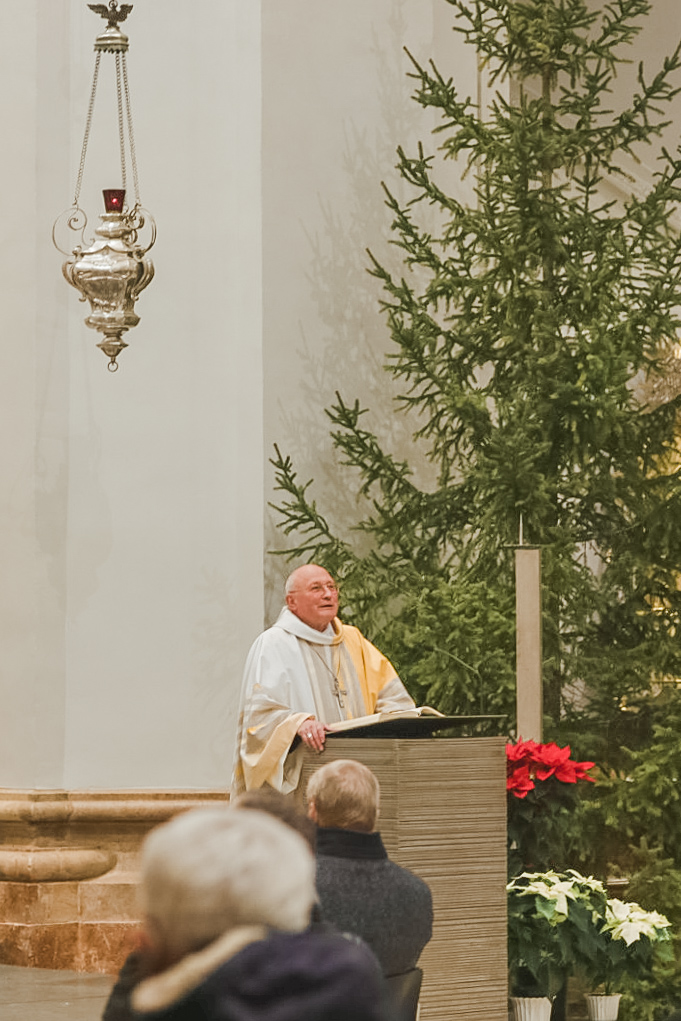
443 815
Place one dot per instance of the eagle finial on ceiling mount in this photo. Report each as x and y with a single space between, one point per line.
112 13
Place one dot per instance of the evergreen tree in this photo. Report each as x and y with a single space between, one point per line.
526 327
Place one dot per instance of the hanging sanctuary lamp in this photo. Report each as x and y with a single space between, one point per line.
113 269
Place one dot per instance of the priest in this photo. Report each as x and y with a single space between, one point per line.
307 671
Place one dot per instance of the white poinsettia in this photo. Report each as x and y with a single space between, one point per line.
555 890
555 894
562 922
586 882
628 922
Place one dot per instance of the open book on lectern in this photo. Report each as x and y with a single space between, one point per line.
374 718
422 722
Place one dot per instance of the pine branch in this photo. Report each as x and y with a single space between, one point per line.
301 516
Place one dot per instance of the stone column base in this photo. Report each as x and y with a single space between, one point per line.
68 872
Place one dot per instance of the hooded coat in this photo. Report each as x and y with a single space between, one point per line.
251 975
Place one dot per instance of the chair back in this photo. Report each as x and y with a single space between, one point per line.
404 990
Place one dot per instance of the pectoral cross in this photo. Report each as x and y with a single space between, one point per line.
339 691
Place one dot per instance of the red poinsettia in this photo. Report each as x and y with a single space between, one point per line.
528 761
519 781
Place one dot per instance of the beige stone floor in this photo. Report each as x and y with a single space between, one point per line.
36 994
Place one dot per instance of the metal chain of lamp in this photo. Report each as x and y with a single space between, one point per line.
112 271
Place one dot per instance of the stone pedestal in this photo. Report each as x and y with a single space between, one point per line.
68 873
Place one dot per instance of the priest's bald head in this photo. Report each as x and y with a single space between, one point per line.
312 594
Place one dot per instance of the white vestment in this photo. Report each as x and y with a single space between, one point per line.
293 672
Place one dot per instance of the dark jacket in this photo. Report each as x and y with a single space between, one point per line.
307 976
361 891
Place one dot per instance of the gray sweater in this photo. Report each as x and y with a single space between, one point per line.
361 891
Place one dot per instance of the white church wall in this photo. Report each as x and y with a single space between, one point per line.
31 532
132 503
336 105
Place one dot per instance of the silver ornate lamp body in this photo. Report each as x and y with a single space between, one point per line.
110 274
113 269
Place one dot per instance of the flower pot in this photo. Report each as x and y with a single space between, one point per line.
531 1008
603 1008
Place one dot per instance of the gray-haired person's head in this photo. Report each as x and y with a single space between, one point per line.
344 794
212 869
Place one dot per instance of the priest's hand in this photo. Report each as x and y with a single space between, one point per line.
313 733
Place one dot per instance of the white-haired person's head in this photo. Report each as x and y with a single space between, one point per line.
344 794
210 870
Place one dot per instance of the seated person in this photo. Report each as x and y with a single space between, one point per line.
306 671
359 889
226 897
282 807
